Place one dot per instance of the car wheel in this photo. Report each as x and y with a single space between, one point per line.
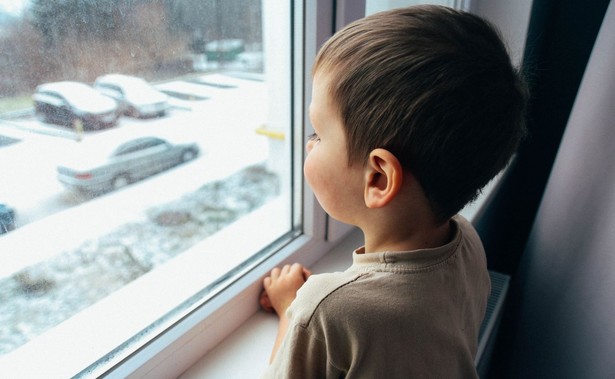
120 181
41 116
188 155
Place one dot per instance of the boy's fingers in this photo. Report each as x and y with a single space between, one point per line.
275 273
296 268
265 302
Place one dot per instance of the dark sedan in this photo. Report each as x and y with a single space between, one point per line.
74 104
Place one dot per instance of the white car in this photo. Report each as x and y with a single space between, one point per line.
136 96
67 103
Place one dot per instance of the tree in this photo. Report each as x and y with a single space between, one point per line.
56 19
81 39
210 20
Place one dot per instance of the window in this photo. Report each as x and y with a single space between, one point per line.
109 253
123 274
373 6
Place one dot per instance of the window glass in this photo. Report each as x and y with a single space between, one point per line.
373 6
81 228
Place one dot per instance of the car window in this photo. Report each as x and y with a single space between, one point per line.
137 145
123 150
153 142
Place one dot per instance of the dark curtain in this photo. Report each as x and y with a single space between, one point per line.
560 39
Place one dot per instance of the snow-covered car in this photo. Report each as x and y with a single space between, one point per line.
131 161
7 218
136 97
71 103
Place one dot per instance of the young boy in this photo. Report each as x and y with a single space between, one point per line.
414 110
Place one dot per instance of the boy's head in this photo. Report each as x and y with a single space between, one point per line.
435 87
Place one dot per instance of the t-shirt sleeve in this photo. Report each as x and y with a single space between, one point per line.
304 352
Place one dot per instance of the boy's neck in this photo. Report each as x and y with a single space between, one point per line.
404 237
405 222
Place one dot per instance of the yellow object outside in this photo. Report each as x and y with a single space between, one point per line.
271 133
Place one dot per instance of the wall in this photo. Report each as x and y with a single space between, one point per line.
511 17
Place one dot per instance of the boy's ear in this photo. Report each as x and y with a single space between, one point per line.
383 178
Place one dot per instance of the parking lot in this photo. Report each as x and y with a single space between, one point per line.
218 112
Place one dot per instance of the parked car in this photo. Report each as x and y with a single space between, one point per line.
136 97
224 50
129 162
252 61
68 103
7 218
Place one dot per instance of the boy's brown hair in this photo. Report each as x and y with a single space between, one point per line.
434 86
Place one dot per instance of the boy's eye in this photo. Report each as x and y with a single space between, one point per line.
313 137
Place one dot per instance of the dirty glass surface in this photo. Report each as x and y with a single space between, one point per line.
82 79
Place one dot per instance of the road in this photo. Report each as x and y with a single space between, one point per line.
222 121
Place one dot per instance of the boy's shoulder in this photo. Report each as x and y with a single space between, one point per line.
371 283
318 288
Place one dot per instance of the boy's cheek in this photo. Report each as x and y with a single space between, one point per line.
308 170
312 173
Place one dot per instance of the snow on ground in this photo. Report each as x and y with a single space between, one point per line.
41 296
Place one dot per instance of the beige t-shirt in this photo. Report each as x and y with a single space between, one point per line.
413 314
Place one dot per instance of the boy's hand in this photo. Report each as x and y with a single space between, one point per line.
281 286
